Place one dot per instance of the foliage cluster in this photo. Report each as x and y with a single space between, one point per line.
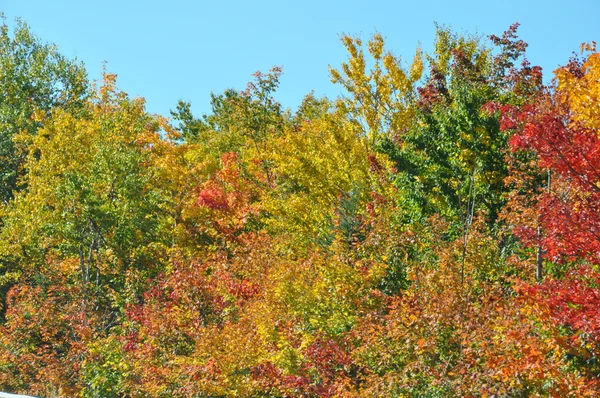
435 232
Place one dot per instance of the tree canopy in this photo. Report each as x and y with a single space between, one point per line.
432 232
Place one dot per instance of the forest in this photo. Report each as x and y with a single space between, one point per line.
433 232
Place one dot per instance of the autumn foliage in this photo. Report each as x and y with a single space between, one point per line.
434 232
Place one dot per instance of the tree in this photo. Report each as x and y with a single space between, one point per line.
557 135
559 129
34 79
90 195
381 100
237 117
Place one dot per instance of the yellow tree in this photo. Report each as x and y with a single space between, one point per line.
579 88
81 239
381 100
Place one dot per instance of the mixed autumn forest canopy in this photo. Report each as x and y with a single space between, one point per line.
434 232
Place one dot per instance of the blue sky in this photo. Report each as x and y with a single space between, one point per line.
182 49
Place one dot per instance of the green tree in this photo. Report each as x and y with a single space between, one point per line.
456 148
34 78
237 116
90 194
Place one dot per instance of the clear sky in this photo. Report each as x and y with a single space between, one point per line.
183 49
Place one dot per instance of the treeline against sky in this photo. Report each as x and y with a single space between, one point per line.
434 232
